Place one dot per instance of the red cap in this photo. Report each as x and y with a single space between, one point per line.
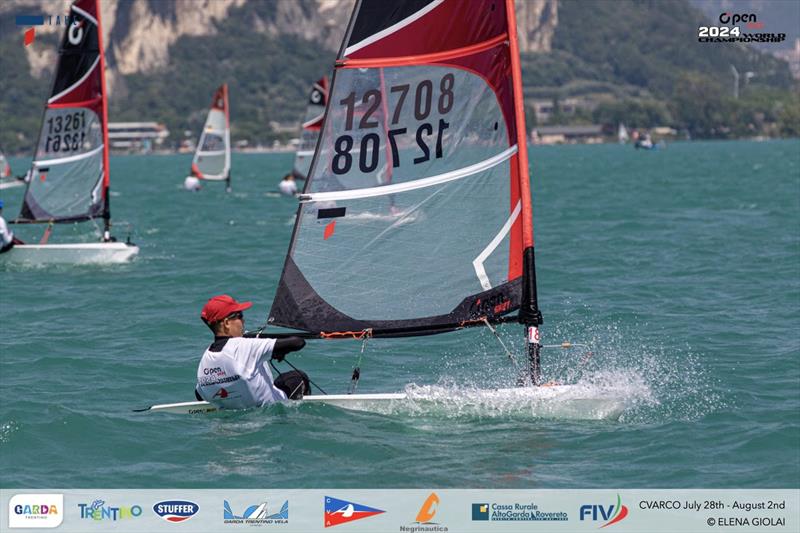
221 306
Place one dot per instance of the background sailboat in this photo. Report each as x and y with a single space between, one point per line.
6 179
312 124
69 177
212 159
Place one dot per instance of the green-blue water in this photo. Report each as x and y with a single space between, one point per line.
680 267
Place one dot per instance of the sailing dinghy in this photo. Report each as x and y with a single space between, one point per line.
69 177
6 179
312 124
212 159
416 215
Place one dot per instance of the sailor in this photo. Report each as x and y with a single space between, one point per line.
234 371
7 239
288 186
191 183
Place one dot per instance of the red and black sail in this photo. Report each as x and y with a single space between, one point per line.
416 214
69 177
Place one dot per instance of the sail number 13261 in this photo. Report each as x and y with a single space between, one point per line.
423 105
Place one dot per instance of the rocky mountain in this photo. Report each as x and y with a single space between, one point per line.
166 57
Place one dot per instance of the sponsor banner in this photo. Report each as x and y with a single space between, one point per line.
401 510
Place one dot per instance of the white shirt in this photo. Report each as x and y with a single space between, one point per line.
288 187
237 376
6 236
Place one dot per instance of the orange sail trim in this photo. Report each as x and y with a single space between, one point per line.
522 131
422 58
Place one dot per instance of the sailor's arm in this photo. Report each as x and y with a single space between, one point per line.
285 346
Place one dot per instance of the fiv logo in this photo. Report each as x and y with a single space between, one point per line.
611 514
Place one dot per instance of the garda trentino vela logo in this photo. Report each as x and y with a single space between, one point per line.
611 513
341 511
35 510
257 514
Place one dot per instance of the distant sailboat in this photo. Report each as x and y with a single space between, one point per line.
212 159
312 124
6 179
622 134
69 177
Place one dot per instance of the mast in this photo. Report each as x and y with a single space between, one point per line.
104 96
227 137
529 314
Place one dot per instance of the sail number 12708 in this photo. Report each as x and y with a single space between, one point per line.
422 106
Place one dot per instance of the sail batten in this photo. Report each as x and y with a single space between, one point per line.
411 221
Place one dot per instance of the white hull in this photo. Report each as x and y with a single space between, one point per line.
8 183
72 254
560 401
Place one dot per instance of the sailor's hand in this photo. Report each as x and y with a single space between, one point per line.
278 356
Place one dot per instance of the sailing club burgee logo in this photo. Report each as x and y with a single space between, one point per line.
176 510
35 510
341 511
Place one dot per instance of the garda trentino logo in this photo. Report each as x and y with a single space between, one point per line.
515 512
35 510
98 510
176 510
424 521
256 515
341 511
610 514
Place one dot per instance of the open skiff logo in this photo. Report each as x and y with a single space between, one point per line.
341 511
611 514
35 510
176 510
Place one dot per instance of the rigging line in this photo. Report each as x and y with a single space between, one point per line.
297 370
366 334
497 336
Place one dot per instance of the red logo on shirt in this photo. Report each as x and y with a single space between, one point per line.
222 393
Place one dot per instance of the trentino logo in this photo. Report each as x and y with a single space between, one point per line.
35 510
97 510
257 514
612 513
341 511
176 510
